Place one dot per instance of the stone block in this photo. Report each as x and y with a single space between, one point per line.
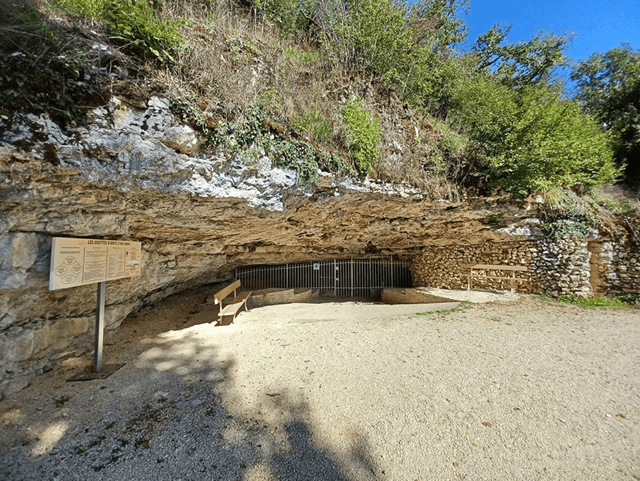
14 385
267 297
71 327
43 338
12 279
4 350
18 251
181 138
23 345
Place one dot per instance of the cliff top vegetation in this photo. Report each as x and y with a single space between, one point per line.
365 87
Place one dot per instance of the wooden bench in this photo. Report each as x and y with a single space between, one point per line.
485 267
231 307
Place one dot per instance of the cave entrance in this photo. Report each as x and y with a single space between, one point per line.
352 278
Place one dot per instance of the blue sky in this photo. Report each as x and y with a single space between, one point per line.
598 25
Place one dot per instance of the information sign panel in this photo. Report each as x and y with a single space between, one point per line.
77 262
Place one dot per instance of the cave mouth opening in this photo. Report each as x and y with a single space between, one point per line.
353 278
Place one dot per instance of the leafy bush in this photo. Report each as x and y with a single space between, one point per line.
134 23
620 302
286 14
574 225
332 162
296 54
617 207
363 134
567 216
253 138
297 155
532 140
314 124
631 299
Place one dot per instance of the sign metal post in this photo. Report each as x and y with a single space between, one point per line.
78 262
99 334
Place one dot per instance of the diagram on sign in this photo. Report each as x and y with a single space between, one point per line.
69 269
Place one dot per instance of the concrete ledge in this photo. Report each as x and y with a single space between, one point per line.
268 297
410 296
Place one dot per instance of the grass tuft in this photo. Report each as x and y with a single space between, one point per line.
597 302
460 307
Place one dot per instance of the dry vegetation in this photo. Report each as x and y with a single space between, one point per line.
233 62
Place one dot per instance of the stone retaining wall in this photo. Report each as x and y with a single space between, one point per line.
556 267
620 268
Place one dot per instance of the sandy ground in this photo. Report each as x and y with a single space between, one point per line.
509 389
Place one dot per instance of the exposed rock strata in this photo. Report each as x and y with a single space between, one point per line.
134 174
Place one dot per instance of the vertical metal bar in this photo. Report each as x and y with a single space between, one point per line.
351 277
99 334
393 274
287 277
335 279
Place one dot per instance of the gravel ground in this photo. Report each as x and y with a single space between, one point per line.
343 391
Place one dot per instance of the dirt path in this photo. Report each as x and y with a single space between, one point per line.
508 390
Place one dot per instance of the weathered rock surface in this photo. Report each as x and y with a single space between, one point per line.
133 173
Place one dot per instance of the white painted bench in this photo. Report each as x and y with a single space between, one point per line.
483 271
231 307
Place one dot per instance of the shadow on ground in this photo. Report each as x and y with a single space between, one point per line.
163 416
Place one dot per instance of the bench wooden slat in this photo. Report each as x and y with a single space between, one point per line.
242 296
229 308
487 267
502 278
220 295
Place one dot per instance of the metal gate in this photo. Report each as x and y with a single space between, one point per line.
357 278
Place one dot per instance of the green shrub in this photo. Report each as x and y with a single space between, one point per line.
303 57
617 207
531 139
567 215
363 134
332 162
134 23
297 155
314 124
631 299
286 14
619 302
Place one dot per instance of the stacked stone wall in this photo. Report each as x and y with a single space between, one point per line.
556 267
620 267
447 266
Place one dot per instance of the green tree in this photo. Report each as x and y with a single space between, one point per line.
437 24
522 64
531 140
608 88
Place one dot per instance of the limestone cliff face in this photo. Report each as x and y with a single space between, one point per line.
134 173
